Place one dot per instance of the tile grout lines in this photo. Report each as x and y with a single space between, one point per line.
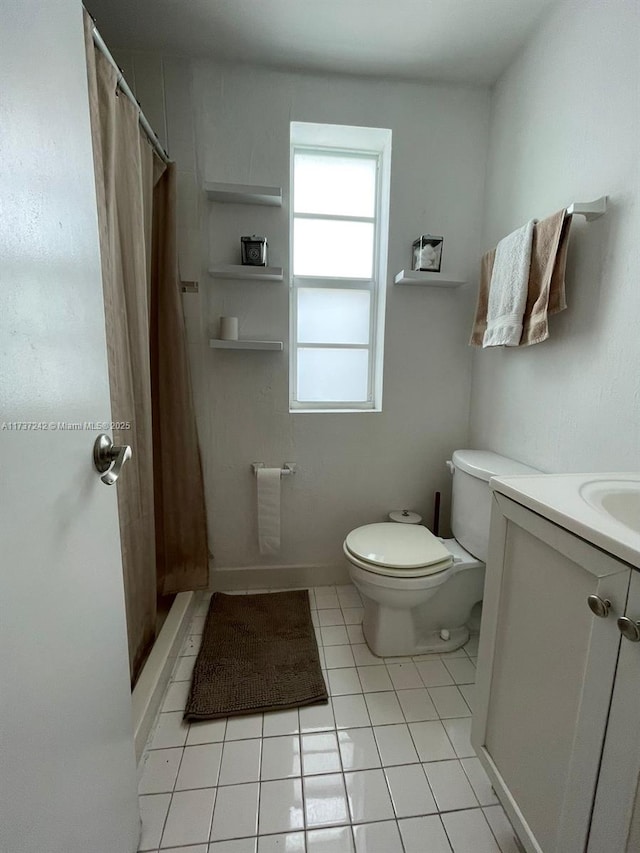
396 683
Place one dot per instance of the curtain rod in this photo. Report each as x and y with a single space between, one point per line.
124 87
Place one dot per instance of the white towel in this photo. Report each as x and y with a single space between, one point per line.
508 291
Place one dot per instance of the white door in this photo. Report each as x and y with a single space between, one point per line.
67 767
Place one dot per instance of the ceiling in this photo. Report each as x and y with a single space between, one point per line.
467 41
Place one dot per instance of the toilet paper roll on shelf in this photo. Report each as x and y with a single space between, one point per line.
405 516
228 328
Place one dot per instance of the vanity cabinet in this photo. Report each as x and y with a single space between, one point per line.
615 825
557 712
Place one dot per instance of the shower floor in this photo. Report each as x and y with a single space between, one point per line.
386 767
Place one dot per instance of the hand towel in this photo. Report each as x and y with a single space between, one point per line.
546 293
508 290
480 319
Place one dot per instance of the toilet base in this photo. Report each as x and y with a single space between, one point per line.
392 627
434 644
401 643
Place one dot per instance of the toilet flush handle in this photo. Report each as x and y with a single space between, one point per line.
451 467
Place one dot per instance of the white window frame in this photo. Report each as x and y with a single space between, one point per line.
341 140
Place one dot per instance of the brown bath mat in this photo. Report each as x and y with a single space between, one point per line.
258 653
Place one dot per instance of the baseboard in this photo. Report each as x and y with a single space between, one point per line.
153 680
276 577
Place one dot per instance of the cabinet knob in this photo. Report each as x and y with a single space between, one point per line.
629 629
599 606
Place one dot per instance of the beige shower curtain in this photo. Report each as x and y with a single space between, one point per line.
181 522
160 493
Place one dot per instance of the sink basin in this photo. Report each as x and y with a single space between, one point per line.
619 499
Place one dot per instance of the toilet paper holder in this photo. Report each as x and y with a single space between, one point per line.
287 469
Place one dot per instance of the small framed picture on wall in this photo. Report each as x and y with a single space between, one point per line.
427 253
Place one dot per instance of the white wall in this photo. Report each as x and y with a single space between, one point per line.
565 128
353 468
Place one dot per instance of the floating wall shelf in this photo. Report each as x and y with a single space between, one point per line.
215 343
248 273
244 194
426 279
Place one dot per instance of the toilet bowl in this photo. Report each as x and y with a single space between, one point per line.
407 607
418 590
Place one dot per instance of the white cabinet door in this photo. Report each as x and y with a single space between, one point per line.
615 827
67 765
545 674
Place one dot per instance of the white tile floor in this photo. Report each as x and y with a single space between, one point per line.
386 767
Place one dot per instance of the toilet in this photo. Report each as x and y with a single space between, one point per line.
418 589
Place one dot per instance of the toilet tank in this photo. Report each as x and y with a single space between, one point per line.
471 495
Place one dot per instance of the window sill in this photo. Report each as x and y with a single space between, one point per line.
333 411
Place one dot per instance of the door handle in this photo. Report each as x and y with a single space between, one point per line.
106 454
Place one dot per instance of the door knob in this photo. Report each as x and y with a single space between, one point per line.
629 629
106 454
599 606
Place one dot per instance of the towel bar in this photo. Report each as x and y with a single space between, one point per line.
288 468
589 209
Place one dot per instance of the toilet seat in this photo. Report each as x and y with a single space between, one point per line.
386 571
397 550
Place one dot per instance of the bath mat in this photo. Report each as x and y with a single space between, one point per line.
259 653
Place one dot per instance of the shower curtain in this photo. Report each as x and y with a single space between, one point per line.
160 494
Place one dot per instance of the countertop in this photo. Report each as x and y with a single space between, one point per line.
558 498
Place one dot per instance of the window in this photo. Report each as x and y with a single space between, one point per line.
339 233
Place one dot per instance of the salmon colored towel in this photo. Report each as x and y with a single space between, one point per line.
480 321
546 293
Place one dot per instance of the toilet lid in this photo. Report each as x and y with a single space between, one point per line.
397 546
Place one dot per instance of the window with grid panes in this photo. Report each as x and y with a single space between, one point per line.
339 228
